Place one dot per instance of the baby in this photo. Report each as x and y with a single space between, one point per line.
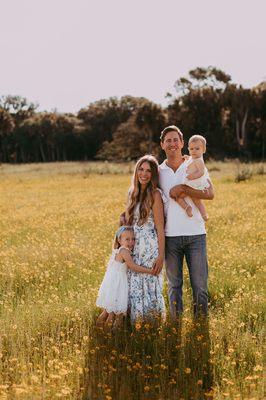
196 174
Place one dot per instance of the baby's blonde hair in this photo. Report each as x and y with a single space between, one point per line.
201 138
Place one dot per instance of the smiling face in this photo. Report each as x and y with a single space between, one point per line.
196 149
144 173
127 239
172 144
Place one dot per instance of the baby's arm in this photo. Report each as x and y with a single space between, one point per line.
131 265
199 169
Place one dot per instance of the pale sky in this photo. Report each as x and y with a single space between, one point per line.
65 54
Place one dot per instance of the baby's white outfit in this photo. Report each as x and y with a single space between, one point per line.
113 292
199 183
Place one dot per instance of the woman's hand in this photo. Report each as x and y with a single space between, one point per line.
122 219
158 265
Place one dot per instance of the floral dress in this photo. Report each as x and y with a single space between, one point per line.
145 291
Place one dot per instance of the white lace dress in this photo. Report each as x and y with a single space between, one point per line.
145 291
199 183
113 292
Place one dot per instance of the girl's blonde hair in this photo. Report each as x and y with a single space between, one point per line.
202 139
146 199
118 234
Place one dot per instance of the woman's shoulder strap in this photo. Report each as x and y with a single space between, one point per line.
159 191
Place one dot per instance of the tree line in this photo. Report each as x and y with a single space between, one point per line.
232 118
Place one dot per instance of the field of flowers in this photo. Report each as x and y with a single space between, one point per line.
57 225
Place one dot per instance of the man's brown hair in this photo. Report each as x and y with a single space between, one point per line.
171 128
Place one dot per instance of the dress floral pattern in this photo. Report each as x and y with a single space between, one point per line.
145 291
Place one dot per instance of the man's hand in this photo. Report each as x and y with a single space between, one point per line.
209 191
184 190
177 191
158 265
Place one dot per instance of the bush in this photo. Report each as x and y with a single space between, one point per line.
260 170
243 175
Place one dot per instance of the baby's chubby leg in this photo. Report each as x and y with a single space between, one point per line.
199 204
185 206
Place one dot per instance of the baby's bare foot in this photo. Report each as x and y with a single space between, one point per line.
102 318
189 211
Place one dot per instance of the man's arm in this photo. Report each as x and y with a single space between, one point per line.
184 190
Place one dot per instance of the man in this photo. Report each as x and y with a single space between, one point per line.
185 236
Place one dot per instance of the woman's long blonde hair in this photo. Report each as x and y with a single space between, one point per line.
146 199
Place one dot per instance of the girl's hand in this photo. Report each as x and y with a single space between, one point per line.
158 265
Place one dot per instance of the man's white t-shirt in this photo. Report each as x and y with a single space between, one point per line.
178 223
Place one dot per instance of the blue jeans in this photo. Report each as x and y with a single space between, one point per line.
194 249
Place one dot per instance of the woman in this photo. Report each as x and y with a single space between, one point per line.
145 213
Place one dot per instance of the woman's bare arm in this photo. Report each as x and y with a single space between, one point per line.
158 214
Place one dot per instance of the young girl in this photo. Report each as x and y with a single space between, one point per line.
196 174
113 292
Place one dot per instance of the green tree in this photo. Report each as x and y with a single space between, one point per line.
196 107
228 115
137 136
259 138
6 127
239 104
19 107
199 78
102 118
49 137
